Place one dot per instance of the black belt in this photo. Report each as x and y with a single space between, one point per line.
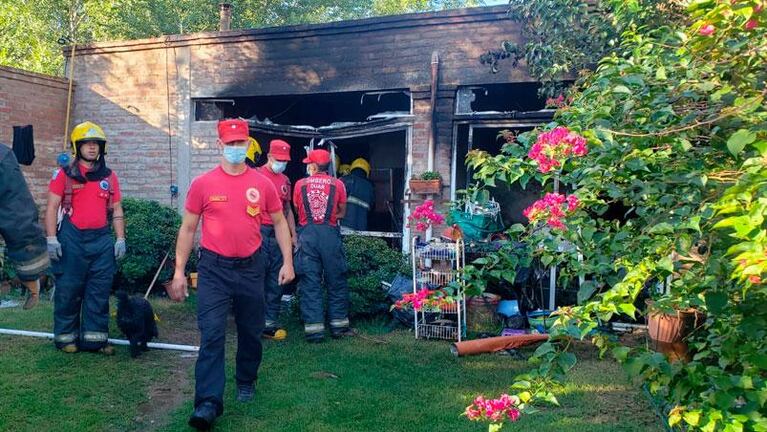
228 261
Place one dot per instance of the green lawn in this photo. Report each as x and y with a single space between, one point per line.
385 382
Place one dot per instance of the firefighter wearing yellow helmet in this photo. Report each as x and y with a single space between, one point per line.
360 195
344 169
253 152
82 196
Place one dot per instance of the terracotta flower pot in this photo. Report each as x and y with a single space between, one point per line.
672 327
425 187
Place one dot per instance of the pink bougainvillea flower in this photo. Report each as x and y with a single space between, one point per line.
707 30
552 148
751 24
754 279
424 216
552 208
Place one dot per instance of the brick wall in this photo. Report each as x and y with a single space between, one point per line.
40 100
131 86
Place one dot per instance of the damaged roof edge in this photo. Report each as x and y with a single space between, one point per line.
340 130
452 16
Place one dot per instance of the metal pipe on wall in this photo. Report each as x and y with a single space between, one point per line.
433 108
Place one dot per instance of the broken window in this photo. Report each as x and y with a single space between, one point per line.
499 98
512 198
318 109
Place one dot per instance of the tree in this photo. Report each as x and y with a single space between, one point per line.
30 31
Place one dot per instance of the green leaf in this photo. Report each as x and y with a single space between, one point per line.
621 89
660 74
546 260
716 301
662 228
692 417
739 140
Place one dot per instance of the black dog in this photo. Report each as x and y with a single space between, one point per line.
135 318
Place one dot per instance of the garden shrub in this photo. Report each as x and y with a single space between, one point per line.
675 122
150 231
370 261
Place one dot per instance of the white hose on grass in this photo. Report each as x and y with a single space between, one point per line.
155 345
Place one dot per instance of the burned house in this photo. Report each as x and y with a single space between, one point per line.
405 92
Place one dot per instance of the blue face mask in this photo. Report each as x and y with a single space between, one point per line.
279 166
235 154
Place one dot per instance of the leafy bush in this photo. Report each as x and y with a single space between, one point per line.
674 119
371 261
430 175
151 230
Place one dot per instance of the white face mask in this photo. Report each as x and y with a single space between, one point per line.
279 166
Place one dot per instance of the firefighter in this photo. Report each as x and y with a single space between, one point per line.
230 199
278 158
361 196
320 201
20 228
344 169
253 153
87 192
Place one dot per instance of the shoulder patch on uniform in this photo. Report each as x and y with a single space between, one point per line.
55 173
104 185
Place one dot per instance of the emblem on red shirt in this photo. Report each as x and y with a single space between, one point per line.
252 195
284 190
218 198
104 185
318 203
254 211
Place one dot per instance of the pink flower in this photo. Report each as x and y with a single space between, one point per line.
707 30
424 216
754 279
513 414
552 148
572 202
751 24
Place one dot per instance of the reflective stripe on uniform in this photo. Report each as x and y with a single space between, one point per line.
65 338
356 201
34 265
338 323
270 324
92 336
314 328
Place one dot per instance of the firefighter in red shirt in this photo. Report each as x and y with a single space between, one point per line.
81 247
278 158
230 199
320 201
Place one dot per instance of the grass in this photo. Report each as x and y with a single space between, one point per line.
385 382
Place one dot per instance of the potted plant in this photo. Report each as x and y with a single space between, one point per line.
430 182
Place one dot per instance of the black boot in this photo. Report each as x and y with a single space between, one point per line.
203 416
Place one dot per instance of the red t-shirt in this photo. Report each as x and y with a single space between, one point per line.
89 199
318 191
231 207
281 183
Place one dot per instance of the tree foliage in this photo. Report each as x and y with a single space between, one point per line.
676 123
29 30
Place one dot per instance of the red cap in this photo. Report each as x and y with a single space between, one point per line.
320 157
280 150
233 130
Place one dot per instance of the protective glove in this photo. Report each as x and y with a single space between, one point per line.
120 248
54 248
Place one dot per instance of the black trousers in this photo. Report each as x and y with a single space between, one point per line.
83 281
226 284
273 264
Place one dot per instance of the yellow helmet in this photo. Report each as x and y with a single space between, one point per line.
344 169
362 164
88 131
254 149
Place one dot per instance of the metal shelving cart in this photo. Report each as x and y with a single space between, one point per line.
436 264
